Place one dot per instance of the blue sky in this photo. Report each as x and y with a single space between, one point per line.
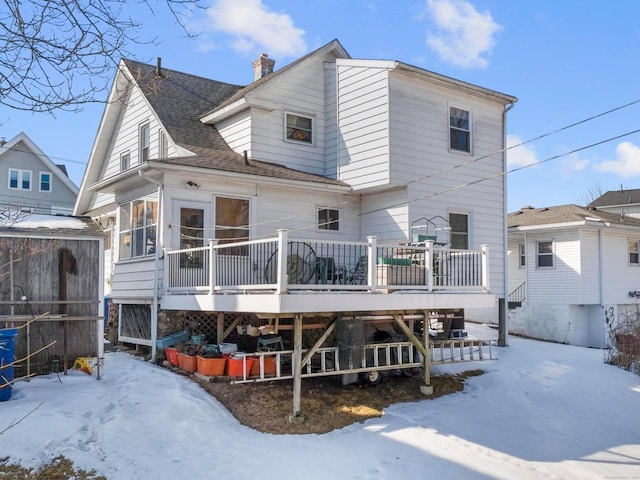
566 61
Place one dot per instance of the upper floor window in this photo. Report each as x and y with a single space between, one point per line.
634 257
459 129
545 254
45 181
299 128
328 219
144 142
459 233
521 255
19 179
125 161
138 222
163 146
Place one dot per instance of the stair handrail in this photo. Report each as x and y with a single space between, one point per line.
517 295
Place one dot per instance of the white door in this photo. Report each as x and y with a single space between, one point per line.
192 230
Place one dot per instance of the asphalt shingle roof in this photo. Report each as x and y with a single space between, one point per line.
565 214
179 99
233 162
617 197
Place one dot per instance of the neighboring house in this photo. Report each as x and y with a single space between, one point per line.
326 168
622 202
572 272
51 268
30 182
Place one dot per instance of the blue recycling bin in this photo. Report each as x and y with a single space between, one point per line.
7 357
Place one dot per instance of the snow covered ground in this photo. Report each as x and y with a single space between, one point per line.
542 410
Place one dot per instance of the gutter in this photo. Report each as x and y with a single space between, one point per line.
503 330
155 302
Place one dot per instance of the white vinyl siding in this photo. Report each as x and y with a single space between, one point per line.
562 283
363 126
263 135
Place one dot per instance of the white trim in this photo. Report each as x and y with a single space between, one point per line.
304 116
50 181
457 106
20 173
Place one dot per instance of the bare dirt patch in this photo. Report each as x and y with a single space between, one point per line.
325 404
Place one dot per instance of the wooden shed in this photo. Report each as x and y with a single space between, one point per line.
51 285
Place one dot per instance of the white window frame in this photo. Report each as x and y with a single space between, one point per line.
125 161
144 142
147 230
20 179
455 234
326 226
50 182
288 138
163 144
634 256
551 254
522 256
451 128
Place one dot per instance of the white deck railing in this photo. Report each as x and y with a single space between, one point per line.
281 264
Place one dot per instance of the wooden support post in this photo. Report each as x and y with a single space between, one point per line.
220 328
427 388
296 416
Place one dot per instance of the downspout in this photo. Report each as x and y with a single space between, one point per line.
155 303
503 331
601 268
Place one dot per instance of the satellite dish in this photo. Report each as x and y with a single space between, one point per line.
301 264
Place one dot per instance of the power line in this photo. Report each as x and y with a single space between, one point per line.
506 172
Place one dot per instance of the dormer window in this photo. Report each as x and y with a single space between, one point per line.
299 128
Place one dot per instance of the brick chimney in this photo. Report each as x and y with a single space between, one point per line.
262 67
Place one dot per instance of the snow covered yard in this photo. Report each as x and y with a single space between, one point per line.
542 410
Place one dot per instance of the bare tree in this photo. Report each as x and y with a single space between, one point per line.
60 54
593 192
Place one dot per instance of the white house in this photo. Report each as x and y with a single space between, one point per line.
622 202
30 182
573 273
324 171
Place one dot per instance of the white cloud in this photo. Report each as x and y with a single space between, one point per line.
627 162
574 163
520 156
254 27
462 36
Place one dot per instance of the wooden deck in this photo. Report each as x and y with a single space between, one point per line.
281 275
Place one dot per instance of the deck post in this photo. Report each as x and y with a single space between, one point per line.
485 266
428 264
296 416
220 328
427 388
283 247
372 268
213 263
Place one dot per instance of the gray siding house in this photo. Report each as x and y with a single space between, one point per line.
30 182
